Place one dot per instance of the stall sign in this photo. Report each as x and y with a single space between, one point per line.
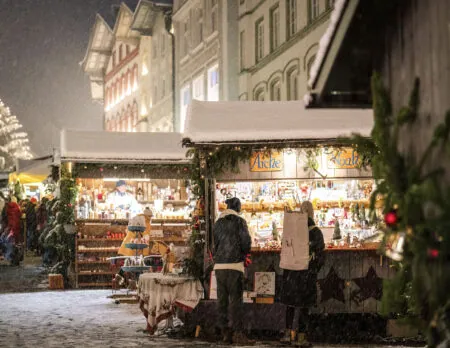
264 162
343 159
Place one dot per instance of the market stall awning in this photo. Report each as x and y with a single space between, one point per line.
94 146
272 122
32 171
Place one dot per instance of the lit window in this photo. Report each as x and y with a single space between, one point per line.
213 83
275 28
259 29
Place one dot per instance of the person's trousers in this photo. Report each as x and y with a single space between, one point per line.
230 287
303 319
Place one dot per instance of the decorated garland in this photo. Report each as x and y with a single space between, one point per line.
416 206
57 234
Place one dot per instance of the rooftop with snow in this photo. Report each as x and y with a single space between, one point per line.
271 121
90 146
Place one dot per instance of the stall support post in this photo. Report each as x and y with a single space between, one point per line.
208 227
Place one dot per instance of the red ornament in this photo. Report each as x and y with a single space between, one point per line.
185 169
433 253
69 205
101 169
391 218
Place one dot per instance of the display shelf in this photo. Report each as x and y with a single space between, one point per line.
94 262
95 232
177 203
96 284
89 240
279 205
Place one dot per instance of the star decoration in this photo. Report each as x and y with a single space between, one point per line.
370 286
332 287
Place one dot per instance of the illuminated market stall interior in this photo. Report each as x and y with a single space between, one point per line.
155 172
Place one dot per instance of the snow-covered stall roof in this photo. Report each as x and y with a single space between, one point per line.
247 121
91 146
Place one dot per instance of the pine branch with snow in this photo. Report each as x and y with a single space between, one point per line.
14 143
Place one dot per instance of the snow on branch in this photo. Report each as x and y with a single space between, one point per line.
13 144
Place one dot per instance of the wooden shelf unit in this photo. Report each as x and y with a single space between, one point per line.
91 267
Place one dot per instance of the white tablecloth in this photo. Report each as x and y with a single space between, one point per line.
159 295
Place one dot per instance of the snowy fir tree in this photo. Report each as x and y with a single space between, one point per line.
13 142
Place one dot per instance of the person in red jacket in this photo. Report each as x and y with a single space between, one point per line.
14 213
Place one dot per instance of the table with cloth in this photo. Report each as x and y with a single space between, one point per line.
160 294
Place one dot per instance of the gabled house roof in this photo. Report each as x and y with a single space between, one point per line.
146 12
97 55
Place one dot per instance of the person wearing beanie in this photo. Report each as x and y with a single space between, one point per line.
232 243
121 199
299 289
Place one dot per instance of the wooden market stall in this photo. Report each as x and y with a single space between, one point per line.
156 172
285 154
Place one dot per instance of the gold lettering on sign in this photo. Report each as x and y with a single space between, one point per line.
343 159
265 162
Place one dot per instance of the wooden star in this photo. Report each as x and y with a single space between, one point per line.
370 286
332 287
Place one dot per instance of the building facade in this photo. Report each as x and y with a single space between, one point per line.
131 69
153 21
278 42
206 66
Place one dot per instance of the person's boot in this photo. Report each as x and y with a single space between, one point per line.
286 339
242 339
302 341
227 336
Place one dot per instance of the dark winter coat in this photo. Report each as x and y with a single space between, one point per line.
41 216
30 212
299 287
232 241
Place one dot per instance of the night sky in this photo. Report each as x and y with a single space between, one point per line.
42 43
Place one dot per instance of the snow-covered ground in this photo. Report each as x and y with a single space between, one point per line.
77 319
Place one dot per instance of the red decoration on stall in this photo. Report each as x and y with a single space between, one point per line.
391 218
69 205
433 253
101 169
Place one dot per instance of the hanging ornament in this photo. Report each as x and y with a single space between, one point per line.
391 218
69 205
433 253
185 169
101 169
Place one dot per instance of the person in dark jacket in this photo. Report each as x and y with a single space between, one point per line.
232 243
299 288
31 223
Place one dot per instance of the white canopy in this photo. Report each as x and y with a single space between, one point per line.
215 122
90 146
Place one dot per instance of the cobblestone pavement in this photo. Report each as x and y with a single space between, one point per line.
77 319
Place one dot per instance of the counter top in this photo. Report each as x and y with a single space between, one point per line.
369 247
